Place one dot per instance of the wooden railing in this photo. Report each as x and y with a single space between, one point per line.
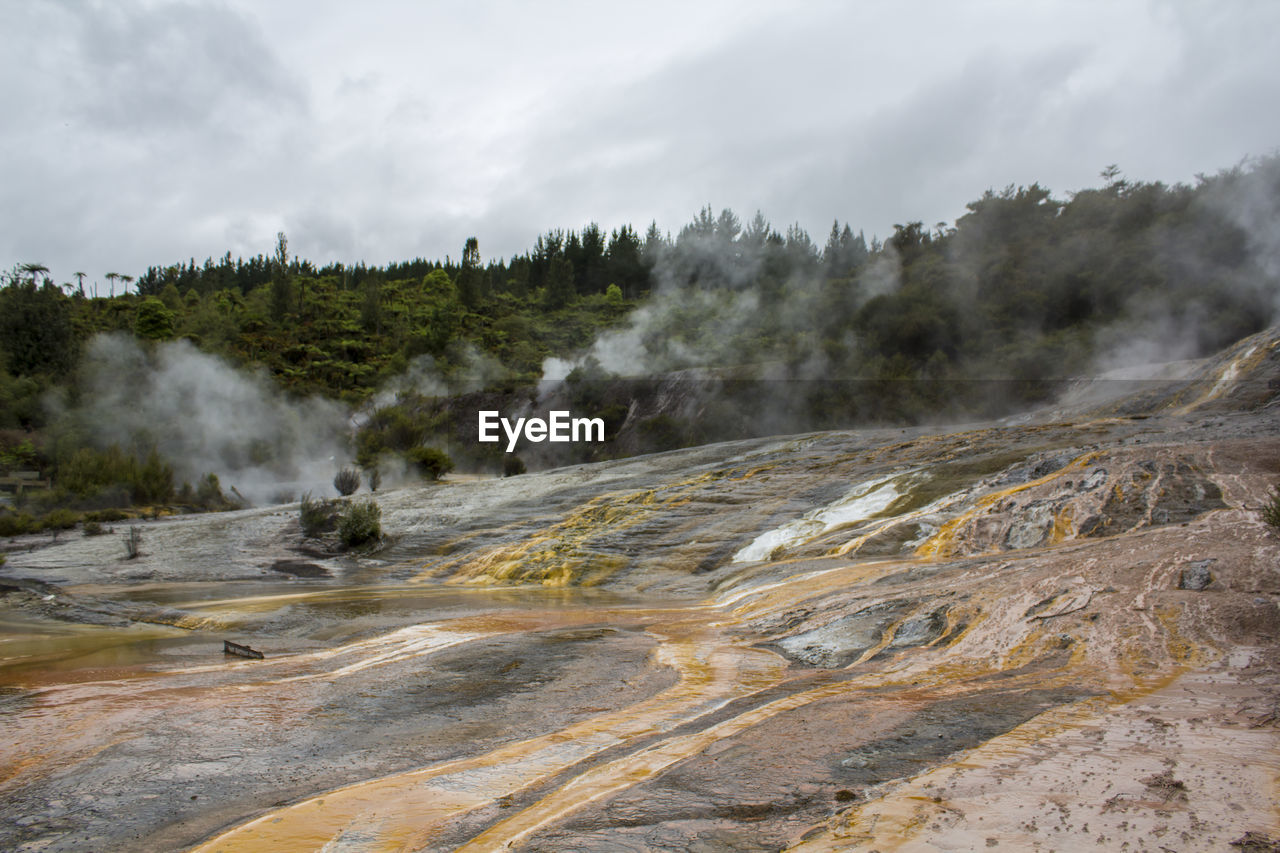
19 480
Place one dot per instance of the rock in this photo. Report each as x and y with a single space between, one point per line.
1196 576
1031 527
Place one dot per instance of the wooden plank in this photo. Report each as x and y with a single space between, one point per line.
230 648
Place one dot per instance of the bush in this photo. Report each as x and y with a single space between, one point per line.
18 523
113 476
1271 509
512 465
209 493
133 542
430 462
346 481
360 522
60 519
93 528
110 514
316 516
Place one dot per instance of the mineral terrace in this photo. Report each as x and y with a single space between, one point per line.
1058 632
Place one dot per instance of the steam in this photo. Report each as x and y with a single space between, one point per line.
720 300
711 303
205 416
472 370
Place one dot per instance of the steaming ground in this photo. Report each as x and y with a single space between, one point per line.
206 416
1054 632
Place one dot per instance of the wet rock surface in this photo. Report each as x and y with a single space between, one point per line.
1058 632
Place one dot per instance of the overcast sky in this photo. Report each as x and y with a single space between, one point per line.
146 133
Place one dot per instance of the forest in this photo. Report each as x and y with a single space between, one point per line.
1024 290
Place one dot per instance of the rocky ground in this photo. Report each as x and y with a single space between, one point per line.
1056 632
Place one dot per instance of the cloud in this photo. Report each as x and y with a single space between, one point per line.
144 133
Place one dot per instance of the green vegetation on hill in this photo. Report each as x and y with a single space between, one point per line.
1024 286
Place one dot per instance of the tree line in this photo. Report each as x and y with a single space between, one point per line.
1024 286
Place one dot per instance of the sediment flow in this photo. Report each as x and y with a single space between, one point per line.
1059 632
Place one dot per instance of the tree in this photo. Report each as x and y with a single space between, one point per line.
36 333
1111 174
281 286
36 271
153 321
431 462
625 265
371 305
559 282
470 276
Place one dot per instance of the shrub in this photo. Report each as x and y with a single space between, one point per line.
18 523
360 522
316 516
512 465
60 519
431 462
153 480
108 515
113 476
1271 509
209 493
374 477
346 481
93 528
133 542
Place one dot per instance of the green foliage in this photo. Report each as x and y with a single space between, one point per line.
153 322
116 477
19 454
18 523
109 514
316 517
153 480
512 465
36 333
430 462
346 481
21 402
209 493
360 522
60 519
1024 286
1271 509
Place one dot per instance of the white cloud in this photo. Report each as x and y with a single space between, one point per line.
142 133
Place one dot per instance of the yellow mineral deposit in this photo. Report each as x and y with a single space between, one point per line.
400 812
1104 677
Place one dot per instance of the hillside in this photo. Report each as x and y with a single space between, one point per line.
271 373
1054 631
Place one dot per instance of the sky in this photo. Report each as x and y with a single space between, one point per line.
141 133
